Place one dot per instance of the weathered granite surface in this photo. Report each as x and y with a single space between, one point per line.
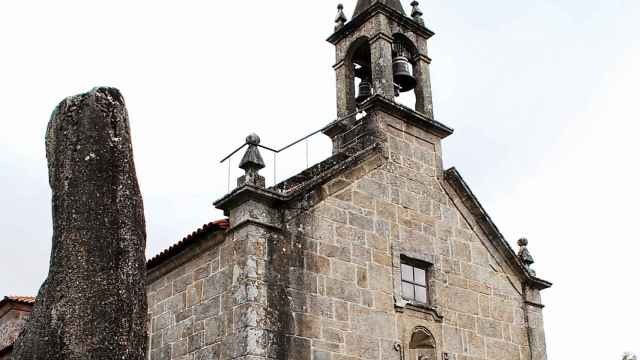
93 302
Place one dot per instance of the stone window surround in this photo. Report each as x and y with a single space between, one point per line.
431 308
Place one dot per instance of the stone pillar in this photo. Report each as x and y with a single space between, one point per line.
93 303
424 98
533 307
382 66
253 226
255 230
535 324
345 88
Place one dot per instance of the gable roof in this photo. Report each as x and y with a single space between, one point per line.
453 178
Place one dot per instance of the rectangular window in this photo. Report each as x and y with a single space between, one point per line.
414 280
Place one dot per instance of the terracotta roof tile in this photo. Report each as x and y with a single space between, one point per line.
218 225
27 300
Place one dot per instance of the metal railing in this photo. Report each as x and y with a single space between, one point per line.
308 156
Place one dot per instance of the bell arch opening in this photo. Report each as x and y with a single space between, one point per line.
405 82
422 345
359 60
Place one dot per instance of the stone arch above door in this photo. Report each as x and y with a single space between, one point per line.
422 345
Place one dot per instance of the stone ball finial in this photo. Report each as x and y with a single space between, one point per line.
340 7
253 139
523 242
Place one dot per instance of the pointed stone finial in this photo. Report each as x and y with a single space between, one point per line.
363 5
416 13
525 255
341 18
252 163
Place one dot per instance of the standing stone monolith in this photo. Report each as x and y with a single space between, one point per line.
92 304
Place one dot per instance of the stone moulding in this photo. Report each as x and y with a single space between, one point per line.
534 304
427 310
378 102
246 193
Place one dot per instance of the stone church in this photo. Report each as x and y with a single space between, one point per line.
374 253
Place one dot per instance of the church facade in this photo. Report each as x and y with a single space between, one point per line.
375 253
378 252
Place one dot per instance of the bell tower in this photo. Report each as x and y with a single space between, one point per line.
381 52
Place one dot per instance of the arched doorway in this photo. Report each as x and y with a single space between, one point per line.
422 345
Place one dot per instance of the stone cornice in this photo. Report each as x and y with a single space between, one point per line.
377 8
422 57
246 193
431 311
378 102
253 222
534 304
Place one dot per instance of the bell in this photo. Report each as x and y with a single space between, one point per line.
364 91
403 74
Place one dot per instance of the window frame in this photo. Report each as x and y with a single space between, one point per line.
420 265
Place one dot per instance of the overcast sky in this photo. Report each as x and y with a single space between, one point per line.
543 96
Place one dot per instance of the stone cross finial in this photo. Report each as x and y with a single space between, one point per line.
416 13
525 255
251 163
341 19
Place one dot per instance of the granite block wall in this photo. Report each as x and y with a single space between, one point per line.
189 296
317 277
397 204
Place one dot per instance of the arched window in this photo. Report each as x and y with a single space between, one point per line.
422 345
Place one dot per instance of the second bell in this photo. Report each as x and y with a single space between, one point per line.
403 74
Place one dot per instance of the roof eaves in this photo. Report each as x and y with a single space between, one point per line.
219 225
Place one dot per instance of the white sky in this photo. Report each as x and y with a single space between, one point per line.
543 96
